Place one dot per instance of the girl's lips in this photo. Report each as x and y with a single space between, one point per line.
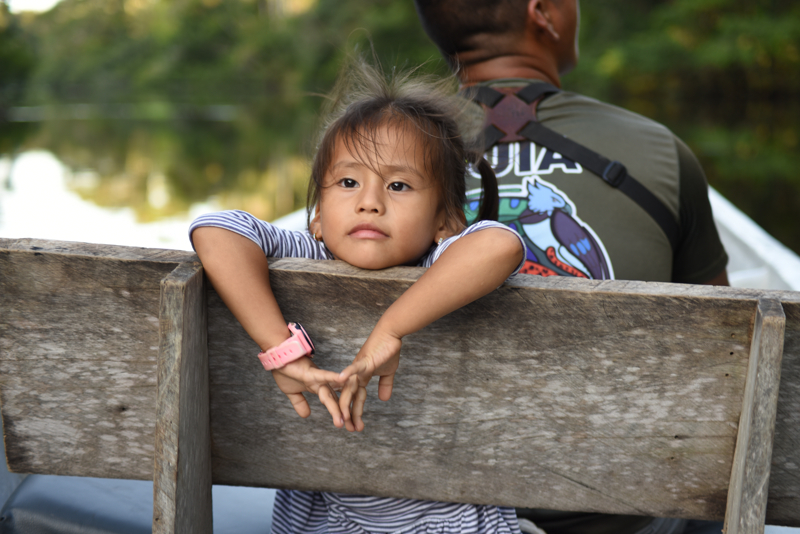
367 231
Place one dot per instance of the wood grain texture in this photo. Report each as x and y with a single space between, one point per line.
182 477
552 391
78 350
565 395
783 505
747 496
91 250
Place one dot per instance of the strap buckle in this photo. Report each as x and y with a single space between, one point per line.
614 173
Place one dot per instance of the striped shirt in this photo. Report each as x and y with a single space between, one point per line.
334 513
279 243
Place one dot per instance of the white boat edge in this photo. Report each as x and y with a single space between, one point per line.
756 259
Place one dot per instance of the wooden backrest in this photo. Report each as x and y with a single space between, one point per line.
621 397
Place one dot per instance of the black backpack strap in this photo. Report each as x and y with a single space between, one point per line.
490 97
613 173
487 97
482 95
532 92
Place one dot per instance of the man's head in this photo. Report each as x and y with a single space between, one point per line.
468 32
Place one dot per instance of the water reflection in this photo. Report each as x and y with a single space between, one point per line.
37 200
92 173
142 111
162 162
159 169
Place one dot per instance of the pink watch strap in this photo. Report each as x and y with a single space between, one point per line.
297 346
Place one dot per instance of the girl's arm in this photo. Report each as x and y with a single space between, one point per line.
239 271
471 267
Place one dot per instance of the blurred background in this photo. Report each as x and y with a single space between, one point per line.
121 120
139 114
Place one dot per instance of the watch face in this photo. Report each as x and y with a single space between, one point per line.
302 332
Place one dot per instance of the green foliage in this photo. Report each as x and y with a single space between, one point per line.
690 49
16 59
723 74
212 51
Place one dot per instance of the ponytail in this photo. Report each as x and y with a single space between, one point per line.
490 197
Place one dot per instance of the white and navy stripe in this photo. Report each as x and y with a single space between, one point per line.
334 513
274 241
279 243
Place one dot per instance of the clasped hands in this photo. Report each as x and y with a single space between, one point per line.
343 394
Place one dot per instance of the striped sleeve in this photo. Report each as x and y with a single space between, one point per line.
436 252
275 242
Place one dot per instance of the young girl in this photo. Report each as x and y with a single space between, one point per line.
387 188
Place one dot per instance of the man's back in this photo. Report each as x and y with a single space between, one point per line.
578 227
576 224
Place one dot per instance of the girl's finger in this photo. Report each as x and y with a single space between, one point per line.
385 384
355 368
358 408
321 376
346 397
300 404
329 399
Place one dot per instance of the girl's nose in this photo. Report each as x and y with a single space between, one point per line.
371 198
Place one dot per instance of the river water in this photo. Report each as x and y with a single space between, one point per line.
37 201
140 177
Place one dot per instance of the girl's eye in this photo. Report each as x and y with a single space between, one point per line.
348 182
398 186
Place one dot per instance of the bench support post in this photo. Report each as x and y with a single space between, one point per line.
747 493
182 477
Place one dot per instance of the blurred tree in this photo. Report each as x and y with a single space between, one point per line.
721 73
16 59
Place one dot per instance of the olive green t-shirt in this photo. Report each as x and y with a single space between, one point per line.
575 224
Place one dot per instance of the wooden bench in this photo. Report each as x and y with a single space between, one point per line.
618 397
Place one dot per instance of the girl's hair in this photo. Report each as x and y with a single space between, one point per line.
364 99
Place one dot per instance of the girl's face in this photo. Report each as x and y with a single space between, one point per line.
380 209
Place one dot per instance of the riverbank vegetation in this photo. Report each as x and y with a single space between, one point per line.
235 79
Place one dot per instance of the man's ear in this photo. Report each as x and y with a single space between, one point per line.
539 17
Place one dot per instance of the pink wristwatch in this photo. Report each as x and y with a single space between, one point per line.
295 347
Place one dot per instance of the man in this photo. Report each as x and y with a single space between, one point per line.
574 222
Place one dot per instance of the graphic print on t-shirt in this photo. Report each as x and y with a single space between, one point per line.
558 242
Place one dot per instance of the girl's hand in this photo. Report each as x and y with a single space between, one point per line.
471 267
301 376
380 356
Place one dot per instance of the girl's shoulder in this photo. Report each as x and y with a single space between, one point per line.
274 241
482 225
438 250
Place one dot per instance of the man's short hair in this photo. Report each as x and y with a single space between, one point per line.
459 25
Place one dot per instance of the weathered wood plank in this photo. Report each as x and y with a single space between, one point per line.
783 504
747 496
182 479
82 300
92 250
78 349
504 401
